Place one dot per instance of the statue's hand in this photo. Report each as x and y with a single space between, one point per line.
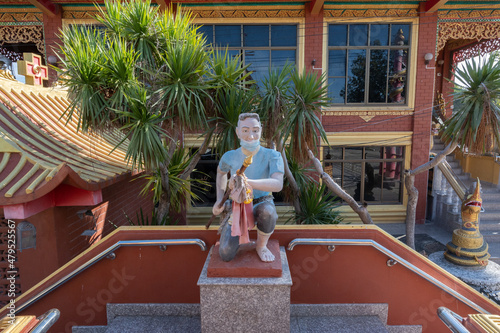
216 210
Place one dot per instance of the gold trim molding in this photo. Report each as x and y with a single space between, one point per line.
480 14
370 13
286 13
466 30
80 14
367 115
23 34
21 17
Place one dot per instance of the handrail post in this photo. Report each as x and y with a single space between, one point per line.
452 320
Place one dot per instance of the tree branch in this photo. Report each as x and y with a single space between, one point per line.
436 160
338 191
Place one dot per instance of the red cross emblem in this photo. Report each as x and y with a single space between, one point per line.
31 67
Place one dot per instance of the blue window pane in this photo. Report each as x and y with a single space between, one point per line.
336 90
378 76
228 35
358 34
259 64
356 80
379 34
207 32
400 34
284 35
336 62
280 58
256 35
337 35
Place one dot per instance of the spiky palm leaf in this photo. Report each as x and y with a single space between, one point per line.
302 175
231 103
180 188
82 61
318 206
181 89
135 22
476 123
143 128
302 123
275 101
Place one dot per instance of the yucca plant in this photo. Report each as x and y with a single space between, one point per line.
147 73
318 206
475 124
302 124
180 189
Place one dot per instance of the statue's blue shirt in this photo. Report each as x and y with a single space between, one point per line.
264 164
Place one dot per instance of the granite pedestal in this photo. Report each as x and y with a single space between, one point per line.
237 304
476 276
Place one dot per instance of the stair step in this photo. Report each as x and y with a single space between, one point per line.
150 324
89 329
404 329
342 324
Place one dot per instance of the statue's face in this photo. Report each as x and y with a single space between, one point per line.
249 129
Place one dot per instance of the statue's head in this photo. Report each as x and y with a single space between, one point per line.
249 131
472 204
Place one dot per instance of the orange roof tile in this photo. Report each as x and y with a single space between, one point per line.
40 148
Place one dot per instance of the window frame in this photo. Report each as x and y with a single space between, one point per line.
362 160
411 67
299 22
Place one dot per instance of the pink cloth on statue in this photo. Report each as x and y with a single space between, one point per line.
242 221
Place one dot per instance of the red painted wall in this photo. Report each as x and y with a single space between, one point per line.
59 229
51 27
350 274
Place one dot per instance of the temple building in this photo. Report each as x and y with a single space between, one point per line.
387 64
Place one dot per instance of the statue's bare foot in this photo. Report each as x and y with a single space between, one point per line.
264 254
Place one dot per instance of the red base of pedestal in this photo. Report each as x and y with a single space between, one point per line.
246 264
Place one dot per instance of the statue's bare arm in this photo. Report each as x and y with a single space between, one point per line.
220 189
271 184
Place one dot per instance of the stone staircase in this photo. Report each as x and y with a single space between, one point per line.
166 318
490 193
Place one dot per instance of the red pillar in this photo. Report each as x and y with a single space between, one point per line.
424 96
313 41
51 27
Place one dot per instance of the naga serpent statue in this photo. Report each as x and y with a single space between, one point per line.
467 246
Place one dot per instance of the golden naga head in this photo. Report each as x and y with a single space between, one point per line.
473 202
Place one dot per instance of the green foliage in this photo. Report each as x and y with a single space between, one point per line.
142 220
475 124
302 174
302 123
318 206
226 72
231 103
82 58
275 101
180 189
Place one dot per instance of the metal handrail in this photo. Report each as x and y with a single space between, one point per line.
452 178
393 256
108 251
46 321
452 320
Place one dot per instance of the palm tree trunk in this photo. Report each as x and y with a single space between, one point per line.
164 203
338 191
293 184
196 158
411 208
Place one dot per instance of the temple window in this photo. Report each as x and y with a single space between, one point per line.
264 47
368 63
369 174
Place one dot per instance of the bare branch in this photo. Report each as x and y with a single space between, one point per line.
436 160
338 191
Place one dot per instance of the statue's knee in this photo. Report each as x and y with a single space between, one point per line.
227 253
